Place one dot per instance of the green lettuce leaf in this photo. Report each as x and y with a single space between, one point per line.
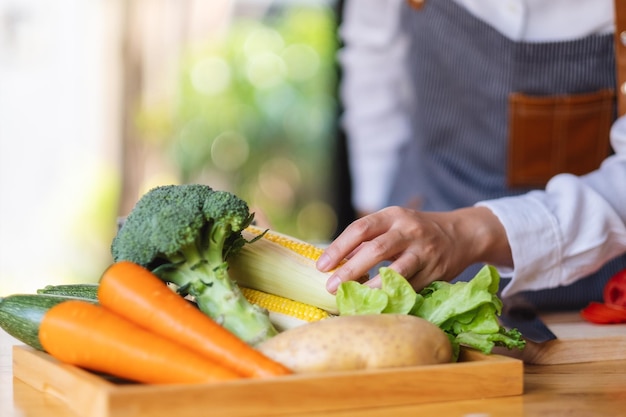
443 301
354 298
402 298
394 296
466 311
486 342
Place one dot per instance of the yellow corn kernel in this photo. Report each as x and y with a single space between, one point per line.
305 249
282 305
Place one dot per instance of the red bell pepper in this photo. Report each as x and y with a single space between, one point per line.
601 313
615 290
613 310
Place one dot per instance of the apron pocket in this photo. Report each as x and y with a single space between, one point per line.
549 135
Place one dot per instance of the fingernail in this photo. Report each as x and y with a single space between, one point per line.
323 262
332 284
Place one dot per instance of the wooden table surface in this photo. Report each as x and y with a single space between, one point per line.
589 389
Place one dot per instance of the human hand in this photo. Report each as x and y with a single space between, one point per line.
422 246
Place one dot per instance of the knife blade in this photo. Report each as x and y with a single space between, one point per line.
521 315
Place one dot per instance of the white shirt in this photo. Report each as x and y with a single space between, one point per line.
558 235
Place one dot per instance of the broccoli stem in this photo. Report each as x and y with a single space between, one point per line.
204 275
226 304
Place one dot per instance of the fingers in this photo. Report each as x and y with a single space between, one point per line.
376 239
349 242
409 266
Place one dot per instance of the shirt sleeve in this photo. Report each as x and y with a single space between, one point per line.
374 95
571 229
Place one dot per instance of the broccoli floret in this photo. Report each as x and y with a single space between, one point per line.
184 235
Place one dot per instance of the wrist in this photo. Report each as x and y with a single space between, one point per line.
487 240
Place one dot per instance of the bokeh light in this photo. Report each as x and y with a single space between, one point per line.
317 220
211 75
302 61
229 151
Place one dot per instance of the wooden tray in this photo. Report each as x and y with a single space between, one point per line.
474 376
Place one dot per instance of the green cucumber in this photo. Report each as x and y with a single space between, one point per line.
89 291
21 315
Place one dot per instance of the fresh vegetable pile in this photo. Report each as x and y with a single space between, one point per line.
168 311
613 309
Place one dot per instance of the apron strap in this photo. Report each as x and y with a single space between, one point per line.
620 54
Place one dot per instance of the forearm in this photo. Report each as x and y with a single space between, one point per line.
567 232
485 236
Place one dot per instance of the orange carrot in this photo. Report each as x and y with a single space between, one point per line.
90 336
141 297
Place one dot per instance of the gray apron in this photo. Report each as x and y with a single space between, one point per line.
463 72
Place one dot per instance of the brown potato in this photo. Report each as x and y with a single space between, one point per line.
360 342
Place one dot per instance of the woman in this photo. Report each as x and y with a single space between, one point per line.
457 117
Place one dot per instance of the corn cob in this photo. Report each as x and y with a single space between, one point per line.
277 304
283 312
282 265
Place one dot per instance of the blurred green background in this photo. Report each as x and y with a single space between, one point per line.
255 113
105 99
